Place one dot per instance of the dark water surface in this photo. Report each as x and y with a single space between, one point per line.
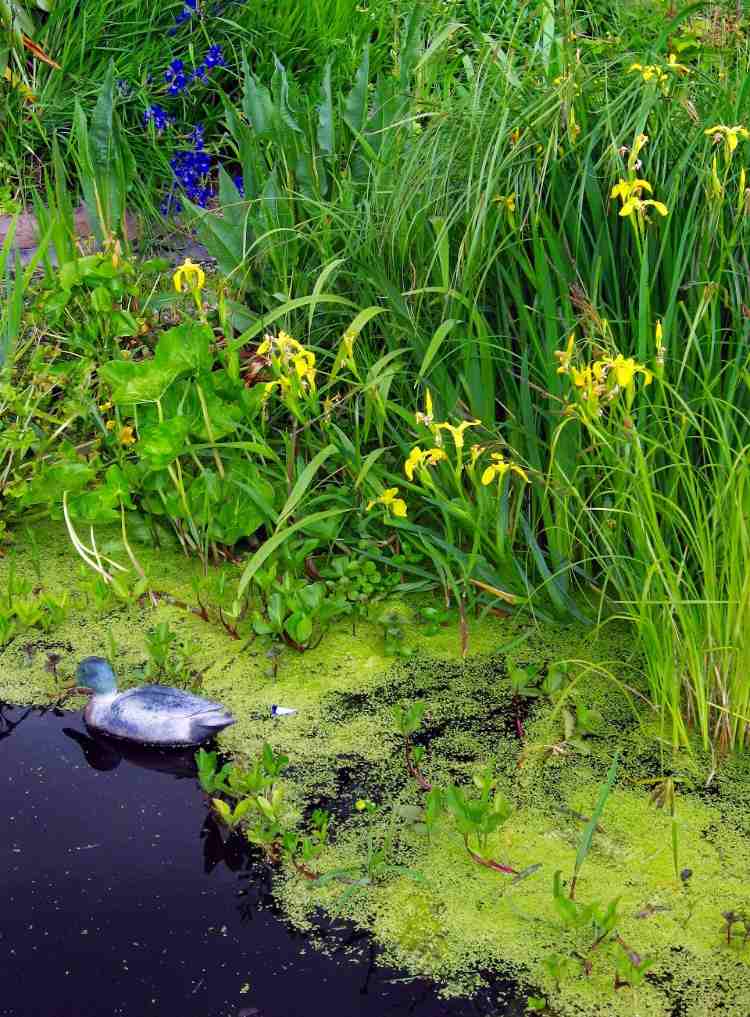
119 897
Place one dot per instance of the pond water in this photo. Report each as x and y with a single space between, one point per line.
120 897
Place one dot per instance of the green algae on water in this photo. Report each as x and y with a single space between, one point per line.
441 914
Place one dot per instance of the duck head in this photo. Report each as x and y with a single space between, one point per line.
95 674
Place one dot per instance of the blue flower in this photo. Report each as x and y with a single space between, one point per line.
191 167
190 8
214 57
158 116
239 183
175 74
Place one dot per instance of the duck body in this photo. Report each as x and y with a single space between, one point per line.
151 715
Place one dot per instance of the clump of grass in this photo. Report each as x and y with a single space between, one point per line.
663 510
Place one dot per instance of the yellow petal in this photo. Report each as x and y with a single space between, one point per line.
624 371
489 475
620 190
413 460
398 507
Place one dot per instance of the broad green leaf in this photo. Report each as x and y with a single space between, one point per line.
143 382
355 107
326 127
53 481
185 348
160 444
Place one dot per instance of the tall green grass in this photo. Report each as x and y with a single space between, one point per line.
477 299
661 512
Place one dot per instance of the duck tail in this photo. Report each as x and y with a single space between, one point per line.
210 725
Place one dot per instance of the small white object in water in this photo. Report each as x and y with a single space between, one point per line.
282 711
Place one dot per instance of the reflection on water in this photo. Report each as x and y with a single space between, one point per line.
123 896
104 753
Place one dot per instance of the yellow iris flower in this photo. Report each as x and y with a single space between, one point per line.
499 467
672 65
659 337
658 72
15 82
420 458
192 275
636 205
626 189
629 192
588 376
391 502
127 436
283 385
565 356
508 201
730 136
304 365
476 451
281 345
625 370
457 431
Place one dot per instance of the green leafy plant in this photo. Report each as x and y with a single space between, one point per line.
558 967
302 850
477 818
232 816
391 623
407 721
361 582
171 659
211 777
631 967
257 797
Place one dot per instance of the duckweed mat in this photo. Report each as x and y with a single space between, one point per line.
433 910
